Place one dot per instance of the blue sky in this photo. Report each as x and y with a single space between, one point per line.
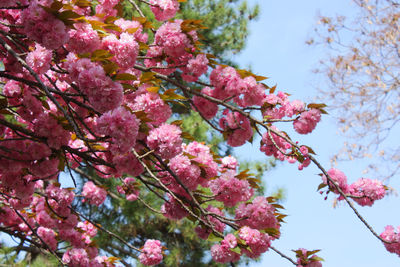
276 48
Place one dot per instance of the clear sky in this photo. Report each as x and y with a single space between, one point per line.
276 49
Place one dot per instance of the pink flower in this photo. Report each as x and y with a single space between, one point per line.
230 190
164 9
307 121
339 178
39 59
206 108
151 253
129 188
48 126
83 39
229 162
203 231
257 242
204 157
125 49
96 195
293 108
222 253
195 68
122 126
369 190
156 109
48 236
89 231
237 127
227 82
76 257
252 93
165 140
393 237
127 164
187 172
303 260
274 145
171 38
43 27
259 214
173 209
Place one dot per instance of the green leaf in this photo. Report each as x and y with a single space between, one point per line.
236 250
213 238
316 258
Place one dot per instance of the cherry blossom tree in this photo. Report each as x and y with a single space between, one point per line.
84 87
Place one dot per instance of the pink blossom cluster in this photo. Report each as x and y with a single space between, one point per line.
339 178
127 25
129 189
275 145
83 39
122 126
173 209
165 140
364 191
392 236
85 257
367 191
204 232
43 27
187 172
277 106
230 190
257 241
156 109
308 121
306 158
223 253
47 126
237 127
307 258
203 157
258 214
103 93
205 107
164 9
48 236
106 7
39 59
94 194
89 231
125 49
195 68
151 253
173 41
229 162
126 164
174 48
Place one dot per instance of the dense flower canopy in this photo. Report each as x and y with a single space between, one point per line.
86 88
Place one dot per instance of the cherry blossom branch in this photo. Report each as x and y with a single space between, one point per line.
283 255
36 234
107 231
267 127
